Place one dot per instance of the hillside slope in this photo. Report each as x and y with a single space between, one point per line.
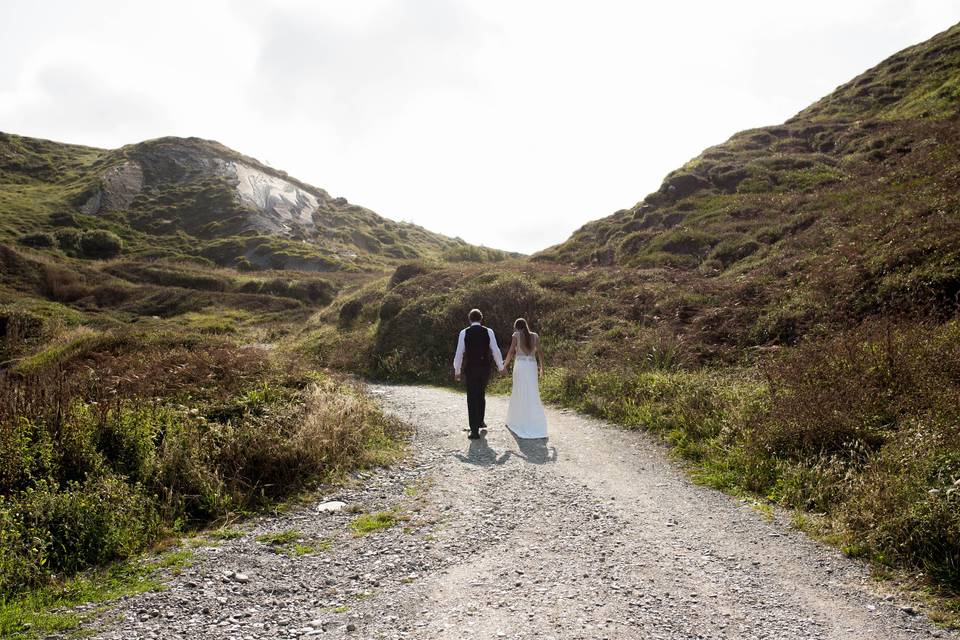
782 311
852 204
174 197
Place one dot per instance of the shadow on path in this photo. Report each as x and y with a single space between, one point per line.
481 454
535 450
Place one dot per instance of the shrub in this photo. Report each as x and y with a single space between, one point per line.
406 271
730 251
18 326
87 523
350 311
903 507
100 244
63 219
342 428
471 253
858 387
62 285
68 239
313 290
390 307
96 461
242 263
169 276
38 240
416 340
685 242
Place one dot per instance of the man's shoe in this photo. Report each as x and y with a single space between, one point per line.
474 435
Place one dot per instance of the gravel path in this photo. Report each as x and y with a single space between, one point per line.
592 534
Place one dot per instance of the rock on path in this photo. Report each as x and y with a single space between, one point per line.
592 534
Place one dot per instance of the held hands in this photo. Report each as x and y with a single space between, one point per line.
456 376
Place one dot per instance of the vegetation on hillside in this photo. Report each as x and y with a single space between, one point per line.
140 399
146 386
783 311
175 204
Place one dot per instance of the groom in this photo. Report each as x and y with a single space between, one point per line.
475 345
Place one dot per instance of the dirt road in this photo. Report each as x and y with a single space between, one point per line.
591 534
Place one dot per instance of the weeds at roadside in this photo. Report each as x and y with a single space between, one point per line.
49 609
370 522
225 533
293 543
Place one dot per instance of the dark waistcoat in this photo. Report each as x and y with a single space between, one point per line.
476 343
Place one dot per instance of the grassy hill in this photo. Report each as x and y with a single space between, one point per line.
783 311
148 380
195 199
848 209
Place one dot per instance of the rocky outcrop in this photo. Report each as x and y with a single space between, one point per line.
119 185
281 205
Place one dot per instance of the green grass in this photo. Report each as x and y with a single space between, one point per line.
196 215
370 522
293 543
300 549
281 538
72 345
176 561
46 610
225 533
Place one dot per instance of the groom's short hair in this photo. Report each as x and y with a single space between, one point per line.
475 315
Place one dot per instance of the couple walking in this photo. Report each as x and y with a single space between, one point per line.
476 350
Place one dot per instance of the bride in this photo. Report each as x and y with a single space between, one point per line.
525 417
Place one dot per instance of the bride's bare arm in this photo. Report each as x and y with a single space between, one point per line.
539 356
510 353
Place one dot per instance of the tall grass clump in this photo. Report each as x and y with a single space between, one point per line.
860 427
109 442
863 427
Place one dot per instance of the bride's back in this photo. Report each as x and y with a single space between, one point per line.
534 343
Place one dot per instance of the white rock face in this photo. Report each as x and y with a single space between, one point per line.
282 203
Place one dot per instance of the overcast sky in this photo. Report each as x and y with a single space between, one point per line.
509 123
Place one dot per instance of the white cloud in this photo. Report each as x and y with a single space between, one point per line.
507 123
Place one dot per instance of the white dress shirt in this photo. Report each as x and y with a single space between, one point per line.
494 349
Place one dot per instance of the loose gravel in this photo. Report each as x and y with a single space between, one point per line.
590 534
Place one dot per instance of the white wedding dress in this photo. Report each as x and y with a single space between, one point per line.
525 416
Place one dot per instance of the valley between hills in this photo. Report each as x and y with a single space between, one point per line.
185 336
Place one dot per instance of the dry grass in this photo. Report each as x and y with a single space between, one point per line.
112 439
342 429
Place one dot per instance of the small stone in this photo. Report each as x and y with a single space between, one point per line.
332 506
910 611
242 578
351 626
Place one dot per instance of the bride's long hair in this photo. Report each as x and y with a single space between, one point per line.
521 325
